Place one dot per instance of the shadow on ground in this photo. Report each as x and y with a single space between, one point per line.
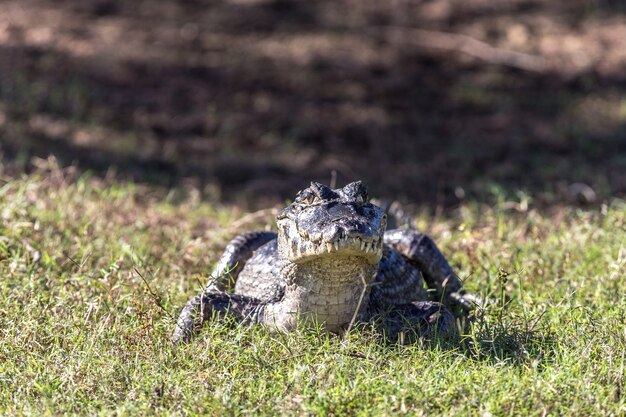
253 99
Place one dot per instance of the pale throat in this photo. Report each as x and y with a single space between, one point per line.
329 289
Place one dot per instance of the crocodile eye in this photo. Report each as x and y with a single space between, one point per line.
356 191
307 198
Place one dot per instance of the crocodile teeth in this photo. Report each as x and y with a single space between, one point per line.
362 245
329 247
336 246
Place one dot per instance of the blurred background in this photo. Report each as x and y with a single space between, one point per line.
434 102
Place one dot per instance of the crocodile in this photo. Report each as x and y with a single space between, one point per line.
333 263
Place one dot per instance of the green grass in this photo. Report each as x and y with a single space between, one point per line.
82 333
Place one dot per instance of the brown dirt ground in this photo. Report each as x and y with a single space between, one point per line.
432 101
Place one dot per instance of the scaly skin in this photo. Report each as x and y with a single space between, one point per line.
332 262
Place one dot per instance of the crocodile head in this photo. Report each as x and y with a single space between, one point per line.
322 222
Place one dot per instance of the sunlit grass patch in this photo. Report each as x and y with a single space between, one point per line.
93 273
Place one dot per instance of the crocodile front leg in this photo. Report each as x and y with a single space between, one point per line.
422 252
236 254
202 307
419 320
214 297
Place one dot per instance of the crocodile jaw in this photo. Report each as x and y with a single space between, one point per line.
303 251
